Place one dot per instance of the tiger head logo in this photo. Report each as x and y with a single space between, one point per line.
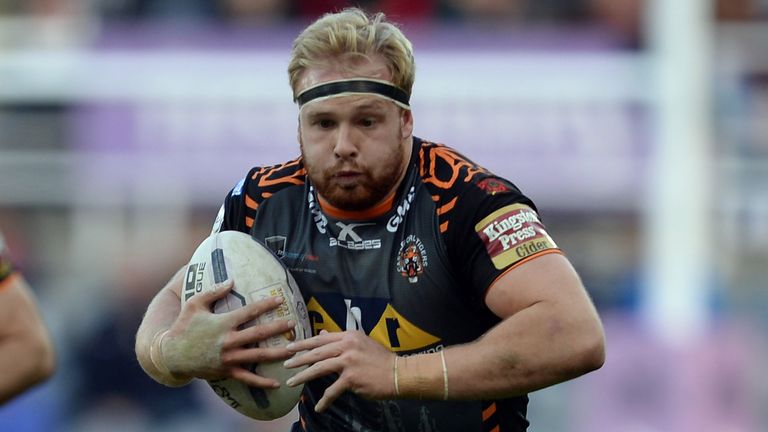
492 186
411 259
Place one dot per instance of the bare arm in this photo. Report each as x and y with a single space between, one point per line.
550 333
26 351
175 344
160 315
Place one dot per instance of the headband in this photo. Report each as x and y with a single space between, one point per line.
346 87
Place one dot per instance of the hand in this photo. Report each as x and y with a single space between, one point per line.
207 345
364 366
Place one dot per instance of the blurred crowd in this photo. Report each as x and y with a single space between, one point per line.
624 17
104 388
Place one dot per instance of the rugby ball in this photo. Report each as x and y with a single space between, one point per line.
257 274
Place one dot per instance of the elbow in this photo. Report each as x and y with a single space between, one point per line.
44 364
596 355
47 365
592 351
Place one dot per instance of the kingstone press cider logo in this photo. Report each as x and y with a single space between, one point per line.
513 233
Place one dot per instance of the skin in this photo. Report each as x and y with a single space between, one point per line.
356 148
202 344
550 330
26 351
353 147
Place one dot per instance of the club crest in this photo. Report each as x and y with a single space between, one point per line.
412 258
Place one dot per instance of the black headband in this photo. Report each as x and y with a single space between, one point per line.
398 95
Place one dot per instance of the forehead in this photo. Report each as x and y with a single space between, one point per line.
374 67
346 104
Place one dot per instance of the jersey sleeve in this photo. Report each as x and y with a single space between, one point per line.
495 232
242 202
488 225
239 209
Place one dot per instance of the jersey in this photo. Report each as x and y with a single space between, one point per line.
412 277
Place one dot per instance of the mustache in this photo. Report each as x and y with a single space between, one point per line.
344 167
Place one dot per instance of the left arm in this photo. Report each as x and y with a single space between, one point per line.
550 333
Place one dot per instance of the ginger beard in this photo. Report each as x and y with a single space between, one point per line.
368 189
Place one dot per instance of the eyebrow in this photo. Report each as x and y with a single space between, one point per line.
375 105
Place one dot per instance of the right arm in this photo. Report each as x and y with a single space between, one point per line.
175 344
26 352
160 315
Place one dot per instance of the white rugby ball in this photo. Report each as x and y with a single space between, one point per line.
257 274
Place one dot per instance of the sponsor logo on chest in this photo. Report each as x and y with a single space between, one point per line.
401 211
320 220
349 239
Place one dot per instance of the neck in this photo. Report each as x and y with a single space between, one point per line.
377 210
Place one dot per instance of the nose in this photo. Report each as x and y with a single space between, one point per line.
345 146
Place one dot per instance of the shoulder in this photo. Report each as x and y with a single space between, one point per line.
458 185
263 182
260 184
444 168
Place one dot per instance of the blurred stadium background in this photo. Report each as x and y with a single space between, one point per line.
638 127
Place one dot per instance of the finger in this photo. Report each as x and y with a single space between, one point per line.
207 297
313 356
331 394
315 371
253 379
254 310
254 355
260 332
323 338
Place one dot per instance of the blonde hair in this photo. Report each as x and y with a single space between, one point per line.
349 35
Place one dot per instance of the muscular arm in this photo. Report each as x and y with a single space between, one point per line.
26 351
550 333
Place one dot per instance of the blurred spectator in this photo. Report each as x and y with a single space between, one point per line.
398 10
39 8
176 10
236 11
735 10
623 18
112 383
484 10
255 11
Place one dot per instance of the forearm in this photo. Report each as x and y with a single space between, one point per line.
26 351
535 348
24 364
160 315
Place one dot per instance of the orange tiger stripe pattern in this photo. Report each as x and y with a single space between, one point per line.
444 168
270 179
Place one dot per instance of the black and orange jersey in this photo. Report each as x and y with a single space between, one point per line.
6 268
412 276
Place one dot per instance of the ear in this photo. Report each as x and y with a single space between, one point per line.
406 123
298 130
